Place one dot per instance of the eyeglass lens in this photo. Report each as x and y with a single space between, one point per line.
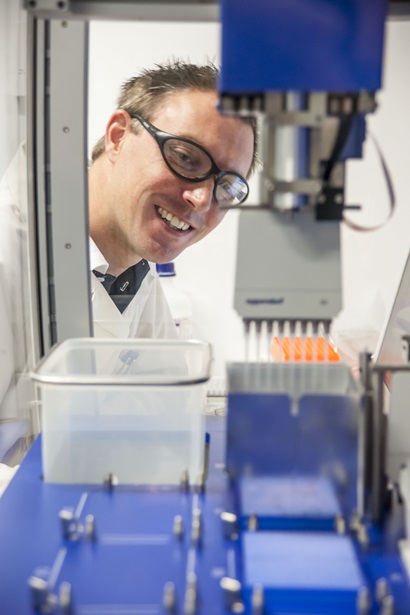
186 158
230 189
192 162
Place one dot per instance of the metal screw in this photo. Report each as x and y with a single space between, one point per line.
169 600
190 602
66 129
68 246
230 525
191 595
355 521
90 531
110 481
196 528
387 606
232 594
184 481
39 592
340 524
363 601
200 483
382 589
253 523
64 598
69 524
362 535
258 599
178 527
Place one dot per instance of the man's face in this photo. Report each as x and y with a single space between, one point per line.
143 191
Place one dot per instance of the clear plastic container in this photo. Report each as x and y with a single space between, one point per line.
130 408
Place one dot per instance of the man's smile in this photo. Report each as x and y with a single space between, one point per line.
173 221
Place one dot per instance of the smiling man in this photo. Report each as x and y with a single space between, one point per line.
167 160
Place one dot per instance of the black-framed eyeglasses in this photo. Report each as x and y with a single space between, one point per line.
189 160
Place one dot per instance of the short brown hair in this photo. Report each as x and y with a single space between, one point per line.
144 94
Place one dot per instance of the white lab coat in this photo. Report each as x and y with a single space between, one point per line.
148 314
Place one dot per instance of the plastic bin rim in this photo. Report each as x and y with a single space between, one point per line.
120 379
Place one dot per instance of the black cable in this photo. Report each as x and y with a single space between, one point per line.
345 126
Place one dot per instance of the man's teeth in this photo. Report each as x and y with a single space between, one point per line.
172 220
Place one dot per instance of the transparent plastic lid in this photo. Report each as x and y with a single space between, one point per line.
141 362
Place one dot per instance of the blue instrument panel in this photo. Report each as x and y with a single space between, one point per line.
311 45
138 563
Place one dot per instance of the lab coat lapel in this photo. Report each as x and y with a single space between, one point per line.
108 320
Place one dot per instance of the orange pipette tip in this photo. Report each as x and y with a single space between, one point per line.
307 349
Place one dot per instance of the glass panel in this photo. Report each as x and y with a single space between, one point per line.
17 399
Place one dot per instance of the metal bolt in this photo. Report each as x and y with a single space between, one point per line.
258 600
184 481
191 595
196 528
69 524
200 483
363 601
362 535
64 598
68 246
340 524
253 523
178 527
110 481
232 594
382 589
89 529
355 521
190 602
387 606
230 525
66 129
39 592
169 600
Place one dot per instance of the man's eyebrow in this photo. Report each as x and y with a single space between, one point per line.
190 138
194 140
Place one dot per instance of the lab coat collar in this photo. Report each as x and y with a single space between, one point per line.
108 320
97 261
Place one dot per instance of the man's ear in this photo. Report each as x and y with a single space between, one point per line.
116 130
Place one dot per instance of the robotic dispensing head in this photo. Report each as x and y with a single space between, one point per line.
309 71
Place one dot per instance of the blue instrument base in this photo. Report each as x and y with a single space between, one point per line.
135 552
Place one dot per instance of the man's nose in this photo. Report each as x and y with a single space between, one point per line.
200 195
